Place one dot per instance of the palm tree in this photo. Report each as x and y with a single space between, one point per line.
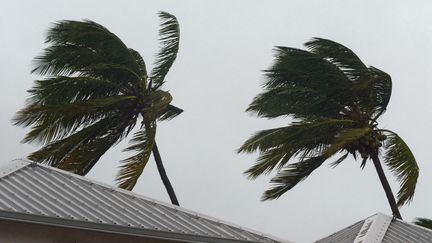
335 101
95 91
427 223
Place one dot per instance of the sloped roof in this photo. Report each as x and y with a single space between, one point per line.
35 193
380 228
346 235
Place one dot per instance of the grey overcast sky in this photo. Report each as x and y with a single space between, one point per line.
224 45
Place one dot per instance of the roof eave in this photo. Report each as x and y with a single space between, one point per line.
106 228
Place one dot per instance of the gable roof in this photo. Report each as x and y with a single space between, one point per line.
380 228
40 194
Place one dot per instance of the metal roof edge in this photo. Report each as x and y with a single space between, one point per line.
108 228
175 207
10 167
332 234
374 228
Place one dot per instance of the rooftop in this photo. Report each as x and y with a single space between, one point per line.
40 194
380 228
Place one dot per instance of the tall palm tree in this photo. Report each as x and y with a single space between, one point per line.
95 90
335 101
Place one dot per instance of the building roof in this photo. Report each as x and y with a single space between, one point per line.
380 228
40 194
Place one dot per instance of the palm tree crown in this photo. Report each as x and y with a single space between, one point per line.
94 92
335 101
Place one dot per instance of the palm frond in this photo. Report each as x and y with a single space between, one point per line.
140 63
82 159
345 137
287 178
276 146
132 167
427 223
51 122
80 151
169 113
90 37
340 55
338 161
296 100
269 160
142 83
399 158
313 130
374 93
54 152
64 89
298 68
87 49
169 34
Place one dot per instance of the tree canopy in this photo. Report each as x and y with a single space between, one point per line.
94 91
333 101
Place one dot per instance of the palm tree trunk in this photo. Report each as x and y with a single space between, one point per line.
386 186
163 175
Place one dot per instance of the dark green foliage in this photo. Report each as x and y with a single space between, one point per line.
399 158
292 174
95 90
427 223
334 100
169 40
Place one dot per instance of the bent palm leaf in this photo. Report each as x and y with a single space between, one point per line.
132 167
169 41
399 158
292 174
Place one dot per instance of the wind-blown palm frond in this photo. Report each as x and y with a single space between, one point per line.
80 151
51 122
170 112
372 86
169 41
427 223
63 89
140 63
132 167
75 45
399 158
338 161
291 175
341 56
345 138
277 146
299 68
376 92
298 100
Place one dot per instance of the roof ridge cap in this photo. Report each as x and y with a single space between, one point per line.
374 228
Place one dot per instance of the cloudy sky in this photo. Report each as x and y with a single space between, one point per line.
224 45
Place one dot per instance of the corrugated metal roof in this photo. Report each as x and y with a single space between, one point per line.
34 192
402 232
346 235
380 228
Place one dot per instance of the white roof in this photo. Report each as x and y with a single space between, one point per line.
35 193
380 228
